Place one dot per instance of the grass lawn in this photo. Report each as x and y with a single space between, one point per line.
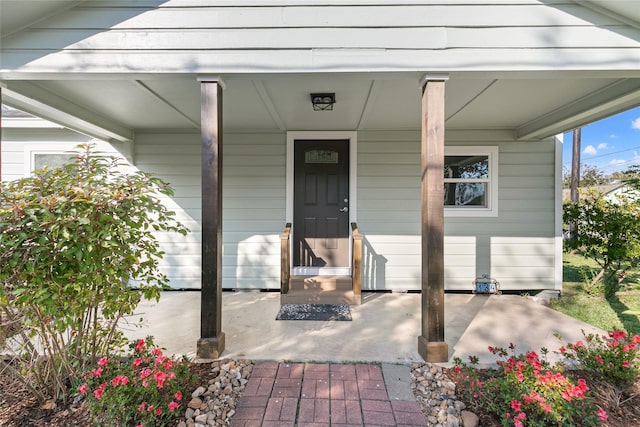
620 312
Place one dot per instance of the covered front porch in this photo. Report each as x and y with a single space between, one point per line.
400 118
431 343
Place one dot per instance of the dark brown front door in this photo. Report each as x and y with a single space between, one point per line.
321 203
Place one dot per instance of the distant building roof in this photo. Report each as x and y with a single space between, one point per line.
604 189
608 188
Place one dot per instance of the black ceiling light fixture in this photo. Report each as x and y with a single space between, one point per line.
323 101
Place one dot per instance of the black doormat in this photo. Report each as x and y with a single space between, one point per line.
323 312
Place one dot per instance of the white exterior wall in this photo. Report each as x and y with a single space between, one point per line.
518 247
253 209
175 158
18 146
157 154
253 205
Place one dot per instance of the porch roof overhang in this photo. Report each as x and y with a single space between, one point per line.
527 105
113 94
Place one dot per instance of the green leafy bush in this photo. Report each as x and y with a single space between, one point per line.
613 358
71 239
608 232
590 284
145 389
527 390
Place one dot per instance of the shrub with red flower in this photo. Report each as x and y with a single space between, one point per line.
143 389
527 390
612 358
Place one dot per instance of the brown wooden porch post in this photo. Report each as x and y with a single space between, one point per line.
431 344
211 342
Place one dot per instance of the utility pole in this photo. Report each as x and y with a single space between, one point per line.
575 174
575 165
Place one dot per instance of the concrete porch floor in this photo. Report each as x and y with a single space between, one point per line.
385 327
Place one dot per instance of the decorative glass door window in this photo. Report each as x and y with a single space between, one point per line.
321 156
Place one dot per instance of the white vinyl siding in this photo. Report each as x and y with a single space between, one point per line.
19 145
517 247
254 209
175 158
389 209
183 270
253 191
254 36
253 205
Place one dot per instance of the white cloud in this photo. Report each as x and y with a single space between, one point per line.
617 162
602 146
589 149
636 123
613 136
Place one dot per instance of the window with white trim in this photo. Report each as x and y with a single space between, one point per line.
38 159
50 160
471 181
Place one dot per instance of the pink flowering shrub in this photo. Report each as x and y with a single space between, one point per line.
614 359
526 390
144 389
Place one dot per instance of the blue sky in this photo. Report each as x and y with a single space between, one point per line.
611 145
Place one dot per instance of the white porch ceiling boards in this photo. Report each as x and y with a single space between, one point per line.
290 97
281 102
135 104
529 98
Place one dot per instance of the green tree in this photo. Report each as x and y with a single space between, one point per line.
632 177
589 176
608 232
72 240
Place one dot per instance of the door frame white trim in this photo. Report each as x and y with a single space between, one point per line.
352 137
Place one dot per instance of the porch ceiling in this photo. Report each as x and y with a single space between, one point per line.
530 106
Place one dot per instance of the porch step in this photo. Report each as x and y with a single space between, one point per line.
320 290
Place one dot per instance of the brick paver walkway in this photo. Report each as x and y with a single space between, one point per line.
321 394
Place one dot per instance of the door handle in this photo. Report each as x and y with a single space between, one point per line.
345 209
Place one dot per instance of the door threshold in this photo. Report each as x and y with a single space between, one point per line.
321 271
